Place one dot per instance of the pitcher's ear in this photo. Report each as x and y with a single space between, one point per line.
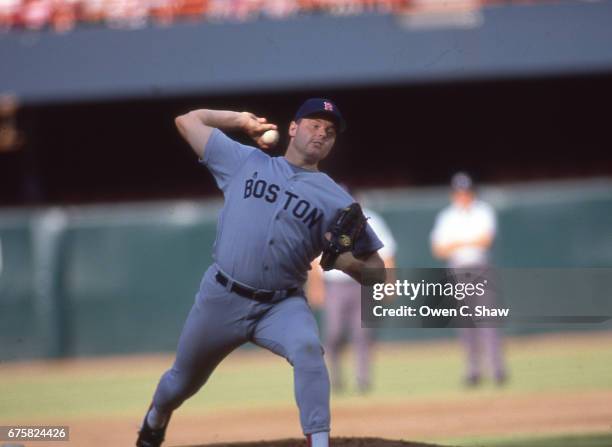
293 128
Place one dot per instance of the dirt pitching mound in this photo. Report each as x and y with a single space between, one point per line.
335 442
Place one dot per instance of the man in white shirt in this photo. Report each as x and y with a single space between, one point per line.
462 236
340 297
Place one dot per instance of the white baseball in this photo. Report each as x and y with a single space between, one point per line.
270 137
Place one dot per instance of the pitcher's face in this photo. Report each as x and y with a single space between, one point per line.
312 138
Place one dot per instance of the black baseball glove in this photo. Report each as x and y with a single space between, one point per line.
345 230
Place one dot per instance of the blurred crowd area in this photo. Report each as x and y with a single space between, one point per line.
64 15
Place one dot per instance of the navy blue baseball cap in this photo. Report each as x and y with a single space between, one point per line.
321 106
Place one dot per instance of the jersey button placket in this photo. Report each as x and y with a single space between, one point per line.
267 254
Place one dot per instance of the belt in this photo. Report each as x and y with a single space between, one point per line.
263 296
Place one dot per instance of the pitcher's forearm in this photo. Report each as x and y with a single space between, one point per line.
356 268
220 119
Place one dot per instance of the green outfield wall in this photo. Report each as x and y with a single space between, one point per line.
121 278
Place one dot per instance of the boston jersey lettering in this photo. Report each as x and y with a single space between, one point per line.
299 208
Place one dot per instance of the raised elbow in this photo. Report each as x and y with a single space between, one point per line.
179 121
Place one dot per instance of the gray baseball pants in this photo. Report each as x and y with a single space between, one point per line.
482 342
220 321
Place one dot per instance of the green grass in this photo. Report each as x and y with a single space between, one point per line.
413 374
554 371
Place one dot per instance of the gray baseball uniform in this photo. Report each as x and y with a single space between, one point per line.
270 229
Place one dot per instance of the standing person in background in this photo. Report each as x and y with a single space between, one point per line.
340 297
462 236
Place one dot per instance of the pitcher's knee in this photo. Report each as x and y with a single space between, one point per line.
307 352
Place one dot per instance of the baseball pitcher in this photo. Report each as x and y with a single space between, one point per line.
279 214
